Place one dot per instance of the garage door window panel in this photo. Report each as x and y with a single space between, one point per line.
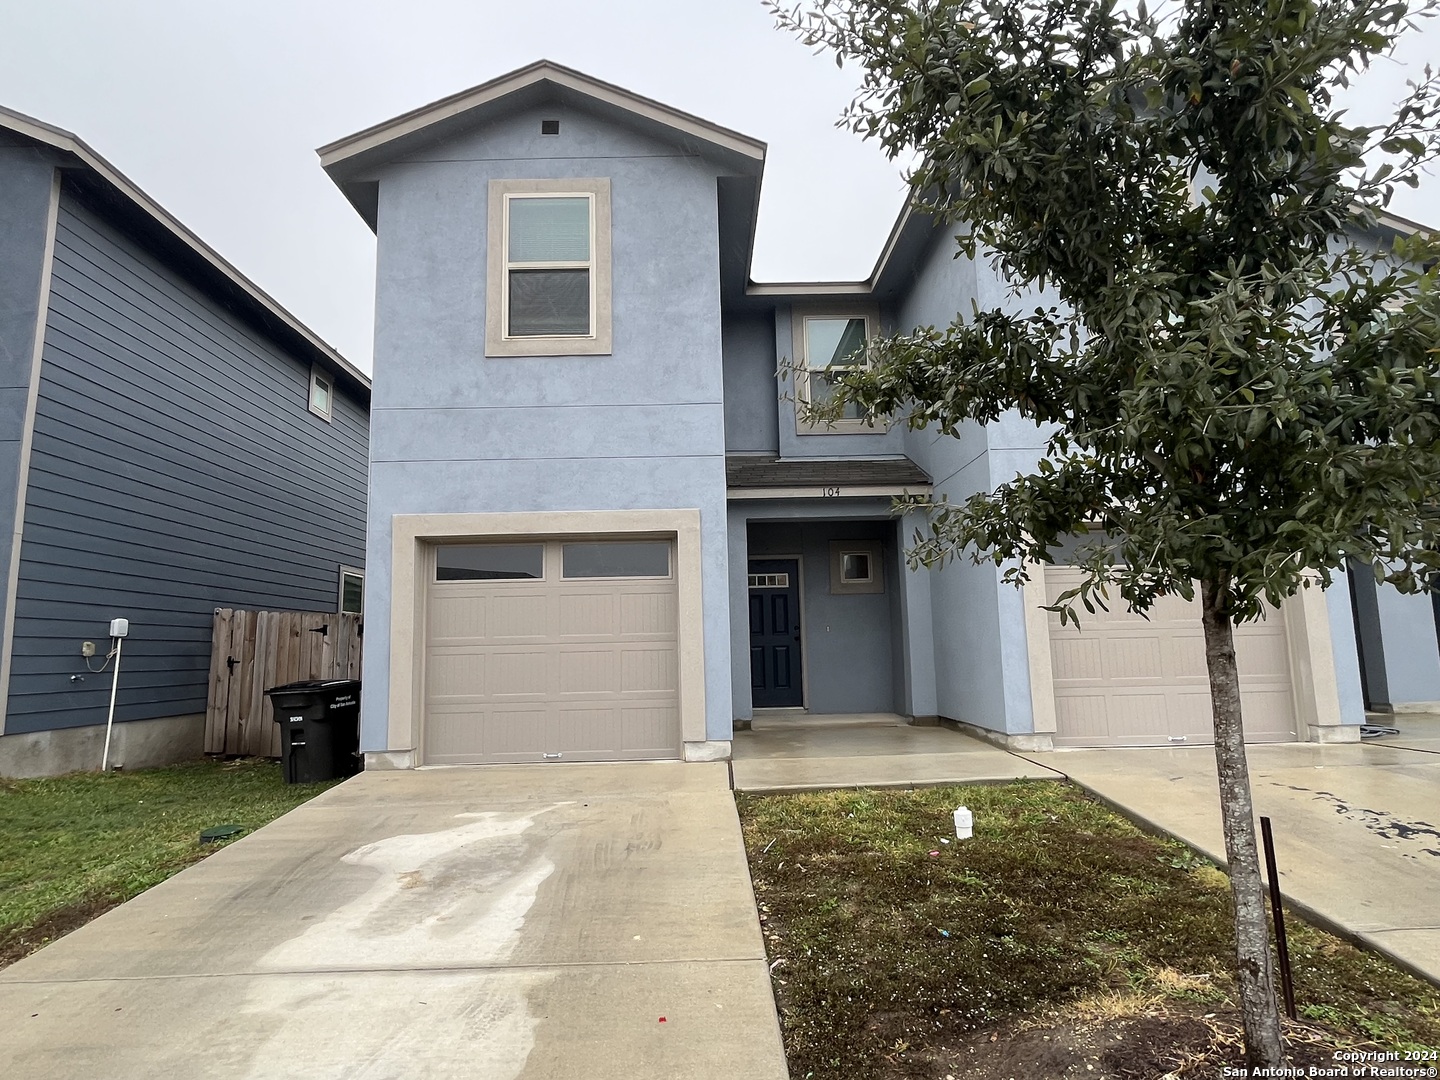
611 559
490 562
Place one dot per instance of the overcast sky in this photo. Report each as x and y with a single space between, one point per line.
215 108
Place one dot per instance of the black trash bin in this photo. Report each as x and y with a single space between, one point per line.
319 728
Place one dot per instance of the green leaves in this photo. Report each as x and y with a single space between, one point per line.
1234 369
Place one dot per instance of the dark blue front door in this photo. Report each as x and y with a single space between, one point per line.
775 634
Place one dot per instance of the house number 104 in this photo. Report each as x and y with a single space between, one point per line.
829 492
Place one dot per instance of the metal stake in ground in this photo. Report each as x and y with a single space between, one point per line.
119 630
1282 947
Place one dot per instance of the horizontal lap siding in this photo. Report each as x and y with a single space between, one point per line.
175 469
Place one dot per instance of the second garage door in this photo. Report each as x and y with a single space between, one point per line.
551 650
1122 680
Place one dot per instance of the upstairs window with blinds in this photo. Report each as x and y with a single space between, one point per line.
549 265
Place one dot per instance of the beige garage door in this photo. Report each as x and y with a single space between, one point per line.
551 651
1121 680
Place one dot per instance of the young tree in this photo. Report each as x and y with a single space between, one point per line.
1236 391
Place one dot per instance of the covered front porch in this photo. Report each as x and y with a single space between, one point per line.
826 619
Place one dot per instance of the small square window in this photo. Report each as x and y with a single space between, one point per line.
352 591
855 566
322 393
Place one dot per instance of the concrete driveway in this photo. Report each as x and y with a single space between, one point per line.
1357 827
510 922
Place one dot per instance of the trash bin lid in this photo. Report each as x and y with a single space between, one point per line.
301 686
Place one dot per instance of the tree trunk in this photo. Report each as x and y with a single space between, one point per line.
1258 1011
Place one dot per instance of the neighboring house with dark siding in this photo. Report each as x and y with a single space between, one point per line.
171 441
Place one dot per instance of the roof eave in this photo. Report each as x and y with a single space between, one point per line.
68 142
1402 225
908 219
335 155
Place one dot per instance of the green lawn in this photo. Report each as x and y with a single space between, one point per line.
895 951
73 846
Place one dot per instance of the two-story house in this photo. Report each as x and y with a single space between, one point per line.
599 526
172 440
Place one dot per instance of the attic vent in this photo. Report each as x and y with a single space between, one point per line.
549 127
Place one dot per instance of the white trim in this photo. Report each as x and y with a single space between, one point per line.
413 538
509 265
1314 687
1037 651
497 270
767 581
318 376
804 372
835 491
64 140
27 439
869 567
874 584
810 288
840 288
1399 224
350 571
542 71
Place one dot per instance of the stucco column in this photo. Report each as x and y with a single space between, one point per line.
739 545
917 627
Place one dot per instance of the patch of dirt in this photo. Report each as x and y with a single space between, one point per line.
18 944
1167 1042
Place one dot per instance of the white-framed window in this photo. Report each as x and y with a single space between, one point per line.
855 566
548 292
322 393
828 344
352 591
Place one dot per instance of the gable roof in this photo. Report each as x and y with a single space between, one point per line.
347 159
238 287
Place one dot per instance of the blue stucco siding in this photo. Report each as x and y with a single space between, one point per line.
458 432
1412 659
175 468
981 661
26 181
794 443
847 640
876 655
751 389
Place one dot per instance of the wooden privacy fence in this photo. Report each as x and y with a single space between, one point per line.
252 651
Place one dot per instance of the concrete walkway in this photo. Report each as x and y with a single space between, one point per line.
510 922
1357 827
1418 731
785 752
